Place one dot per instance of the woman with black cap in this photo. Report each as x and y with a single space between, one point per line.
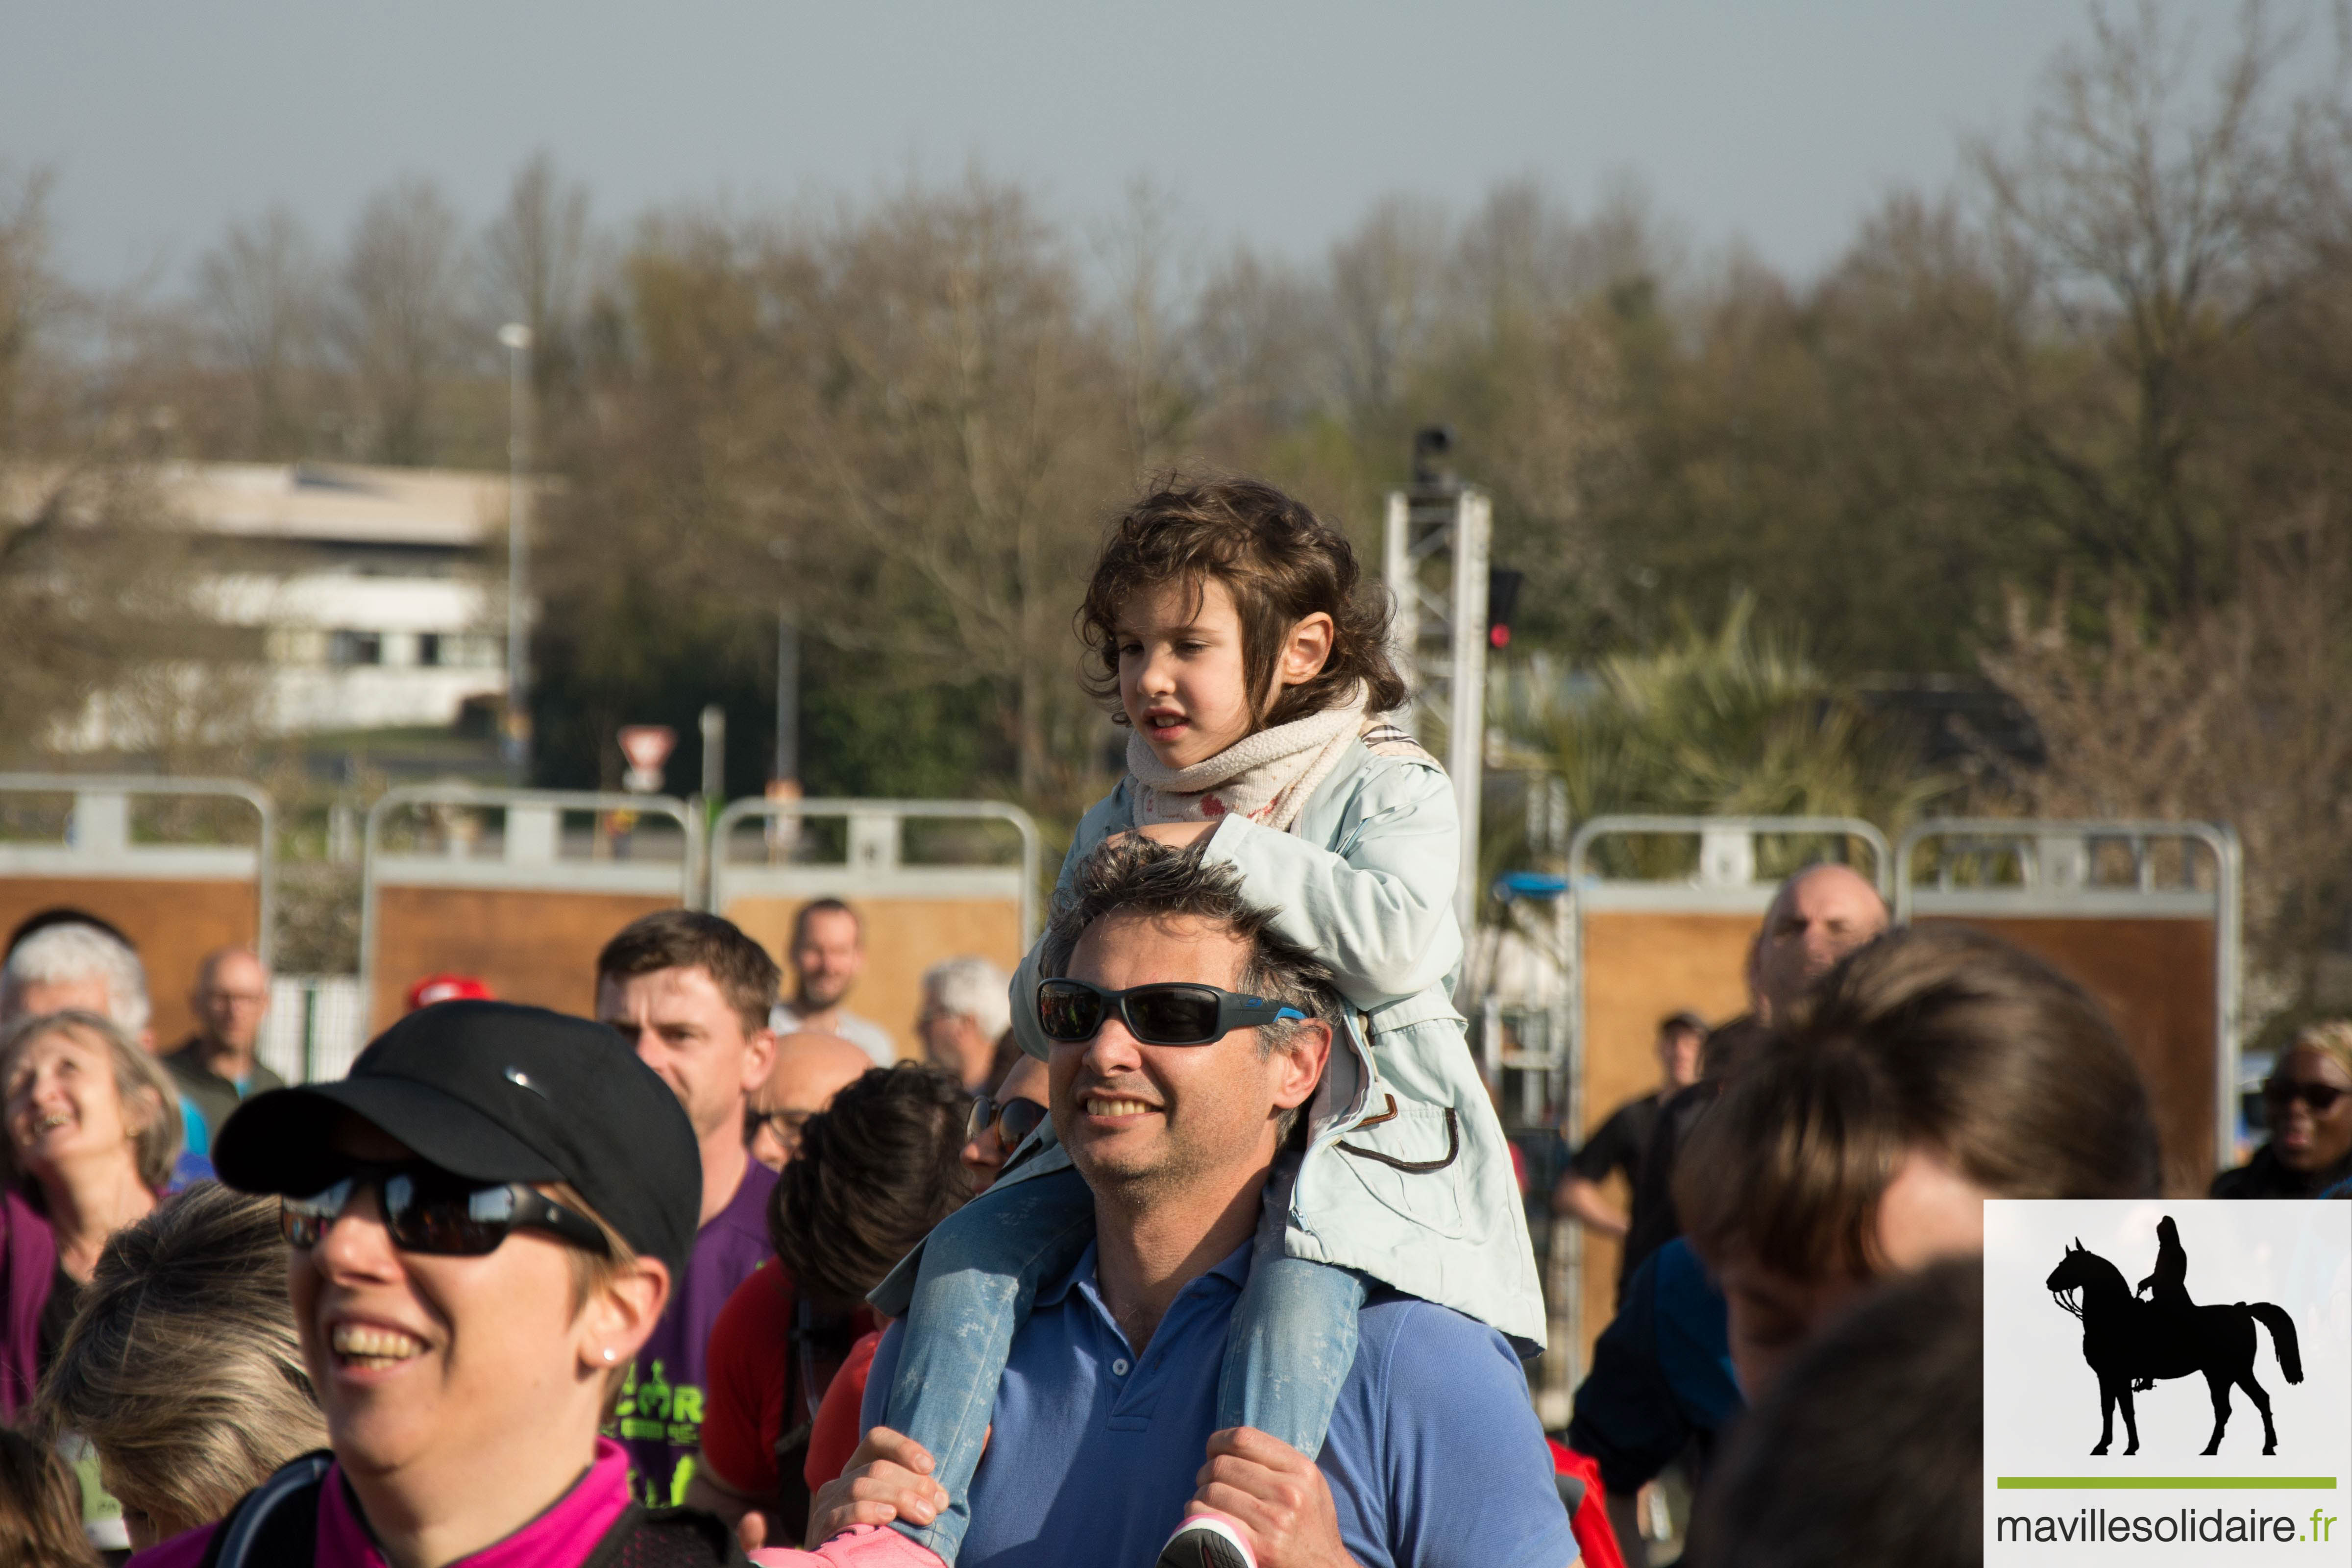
486 1217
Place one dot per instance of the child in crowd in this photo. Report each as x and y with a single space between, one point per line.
1225 621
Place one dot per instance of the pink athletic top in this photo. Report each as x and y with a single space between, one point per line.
562 1537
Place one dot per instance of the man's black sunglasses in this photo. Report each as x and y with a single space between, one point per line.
1013 1119
1168 1013
430 1210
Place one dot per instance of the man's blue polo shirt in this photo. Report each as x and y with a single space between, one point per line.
1434 1458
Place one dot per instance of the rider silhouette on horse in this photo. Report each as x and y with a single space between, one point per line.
2131 1344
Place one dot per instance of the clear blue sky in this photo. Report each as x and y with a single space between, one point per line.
1276 120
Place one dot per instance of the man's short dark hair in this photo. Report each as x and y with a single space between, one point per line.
876 1169
1143 876
1870 1449
687 939
824 907
1682 1023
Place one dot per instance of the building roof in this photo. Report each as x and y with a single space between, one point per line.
338 503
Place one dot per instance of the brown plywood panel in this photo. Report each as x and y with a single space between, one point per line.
1639 966
2157 978
534 945
172 923
903 938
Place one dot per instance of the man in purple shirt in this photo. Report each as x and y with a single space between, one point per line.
692 994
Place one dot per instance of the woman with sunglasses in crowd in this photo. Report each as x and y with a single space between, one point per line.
2307 1105
485 1219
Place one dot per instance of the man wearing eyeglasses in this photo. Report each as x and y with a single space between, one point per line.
1188 1040
809 1070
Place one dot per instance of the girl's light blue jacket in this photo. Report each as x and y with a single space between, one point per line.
1407 1177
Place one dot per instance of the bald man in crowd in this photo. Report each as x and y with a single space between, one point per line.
809 1070
215 1068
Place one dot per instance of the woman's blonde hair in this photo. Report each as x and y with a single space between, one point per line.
2330 1037
150 1104
183 1367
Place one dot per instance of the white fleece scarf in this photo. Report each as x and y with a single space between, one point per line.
1267 777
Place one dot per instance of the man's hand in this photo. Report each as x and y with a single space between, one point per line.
889 1478
1183 834
1276 1496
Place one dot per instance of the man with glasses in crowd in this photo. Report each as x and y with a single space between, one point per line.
809 1070
1171 1092
215 1070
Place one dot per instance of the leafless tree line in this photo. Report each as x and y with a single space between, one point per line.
2089 407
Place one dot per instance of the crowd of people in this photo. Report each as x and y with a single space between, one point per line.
1194 1241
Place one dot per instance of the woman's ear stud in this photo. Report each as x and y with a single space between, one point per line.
608 1353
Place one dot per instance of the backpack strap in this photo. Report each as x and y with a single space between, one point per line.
277 1523
667 1538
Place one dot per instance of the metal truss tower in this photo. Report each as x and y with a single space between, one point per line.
1436 568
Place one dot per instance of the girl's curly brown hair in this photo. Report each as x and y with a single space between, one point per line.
1281 564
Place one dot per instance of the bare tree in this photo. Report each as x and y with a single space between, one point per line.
398 317
261 295
2148 218
537 260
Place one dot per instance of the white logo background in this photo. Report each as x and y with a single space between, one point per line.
2041 1398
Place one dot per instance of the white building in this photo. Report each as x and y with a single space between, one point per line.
376 589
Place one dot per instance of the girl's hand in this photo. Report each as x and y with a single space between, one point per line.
1183 834
889 1478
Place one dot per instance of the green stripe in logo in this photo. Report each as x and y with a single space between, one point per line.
2168 1483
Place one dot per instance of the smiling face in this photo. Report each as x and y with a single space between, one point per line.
65 1104
1147 1124
420 1360
684 1029
828 954
2304 1139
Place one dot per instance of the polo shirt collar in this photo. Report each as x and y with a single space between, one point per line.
1234 1269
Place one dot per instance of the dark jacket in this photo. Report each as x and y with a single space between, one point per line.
2266 1176
28 1268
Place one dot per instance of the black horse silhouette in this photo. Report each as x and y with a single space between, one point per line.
2126 1338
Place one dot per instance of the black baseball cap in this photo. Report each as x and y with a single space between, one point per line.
495 1093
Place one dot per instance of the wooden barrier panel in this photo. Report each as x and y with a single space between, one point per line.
930 880
1639 966
166 861
2157 979
520 889
904 936
172 923
528 944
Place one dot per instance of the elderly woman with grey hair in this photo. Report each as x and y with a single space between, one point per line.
93 1128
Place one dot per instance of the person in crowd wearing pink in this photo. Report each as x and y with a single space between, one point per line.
828 954
810 1071
692 994
966 1010
93 1129
876 1169
485 1218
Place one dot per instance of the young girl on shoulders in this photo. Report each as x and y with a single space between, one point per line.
1227 623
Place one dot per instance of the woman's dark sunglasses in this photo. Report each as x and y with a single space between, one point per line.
1013 1119
428 1209
2320 1097
1170 1013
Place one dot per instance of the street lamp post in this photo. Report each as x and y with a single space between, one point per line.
515 746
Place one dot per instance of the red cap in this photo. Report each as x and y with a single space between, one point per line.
448 988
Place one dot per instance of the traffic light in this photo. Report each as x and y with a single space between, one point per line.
1502 595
